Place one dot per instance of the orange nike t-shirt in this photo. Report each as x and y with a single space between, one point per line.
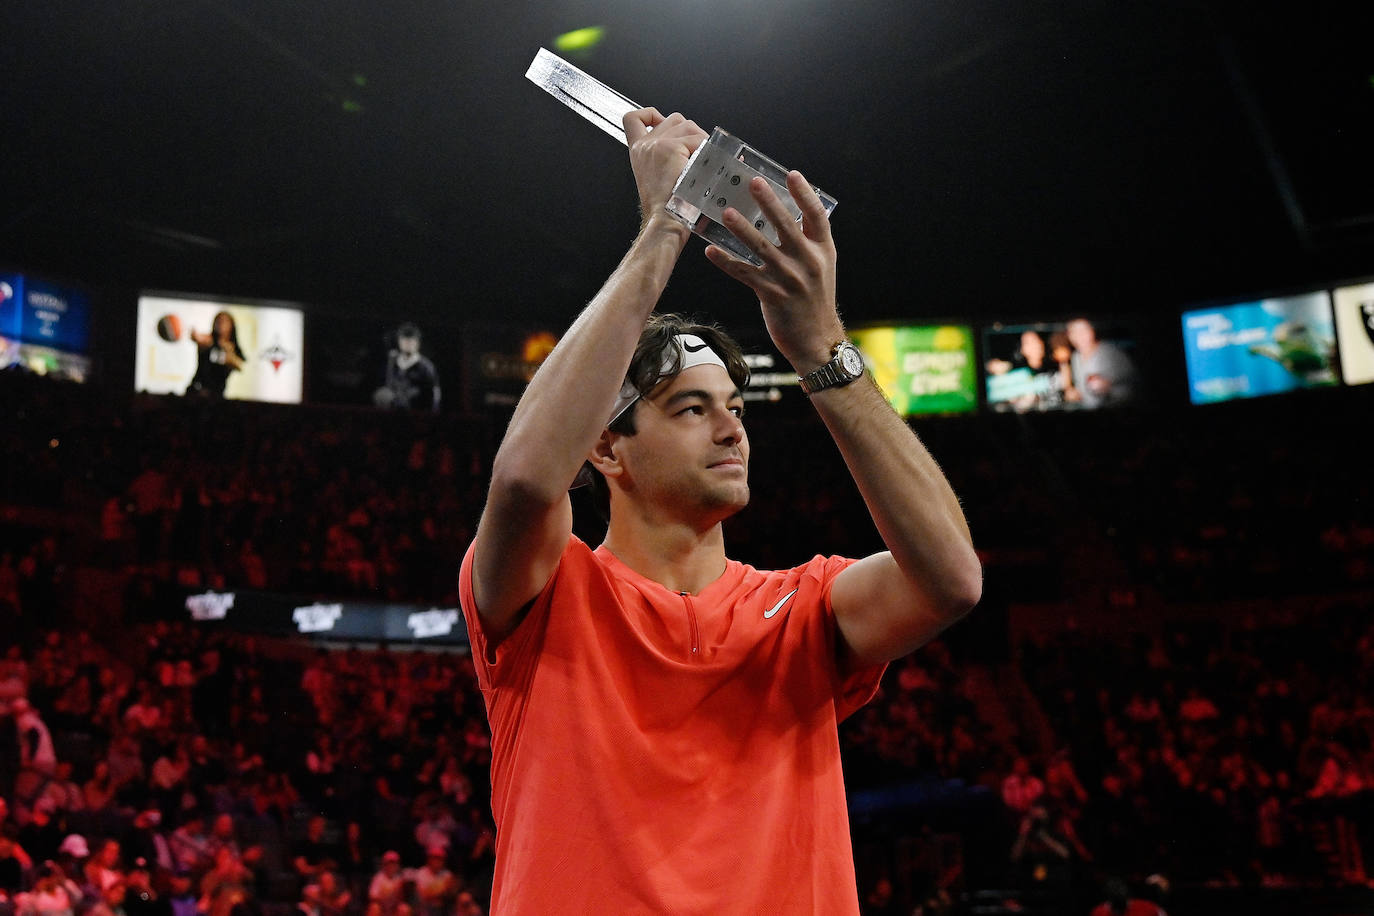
654 752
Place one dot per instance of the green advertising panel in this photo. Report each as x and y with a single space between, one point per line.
922 370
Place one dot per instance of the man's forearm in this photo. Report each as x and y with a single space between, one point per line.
565 406
911 503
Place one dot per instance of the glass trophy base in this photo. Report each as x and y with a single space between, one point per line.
717 176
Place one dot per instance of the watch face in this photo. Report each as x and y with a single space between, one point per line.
852 360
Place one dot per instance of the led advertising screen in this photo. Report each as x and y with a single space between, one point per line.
1355 332
1252 349
922 370
500 359
219 349
39 360
1082 363
37 312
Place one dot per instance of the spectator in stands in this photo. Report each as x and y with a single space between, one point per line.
53 894
206 769
313 854
98 792
168 777
387 889
326 897
13 865
227 882
111 901
1197 708
10 608
437 828
1119 902
141 897
181 897
65 794
880 900
466 905
435 885
357 860
104 869
146 841
43 834
37 756
125 762
1022 789
190 845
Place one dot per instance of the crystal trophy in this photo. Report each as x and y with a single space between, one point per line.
716 176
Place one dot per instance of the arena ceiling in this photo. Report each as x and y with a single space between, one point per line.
990 159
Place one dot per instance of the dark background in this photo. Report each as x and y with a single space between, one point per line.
991 160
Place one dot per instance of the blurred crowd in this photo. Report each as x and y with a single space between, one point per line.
153 767
190 772
1236 754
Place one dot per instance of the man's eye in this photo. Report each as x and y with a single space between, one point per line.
738 412
695 410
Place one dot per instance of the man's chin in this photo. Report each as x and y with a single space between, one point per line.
732 500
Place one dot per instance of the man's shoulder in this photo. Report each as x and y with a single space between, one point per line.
820 566
809 580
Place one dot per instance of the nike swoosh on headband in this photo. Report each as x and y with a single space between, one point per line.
691 351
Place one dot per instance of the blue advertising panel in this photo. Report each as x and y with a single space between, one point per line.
1252 349
11 295
38 312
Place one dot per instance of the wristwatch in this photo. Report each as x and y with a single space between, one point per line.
846 364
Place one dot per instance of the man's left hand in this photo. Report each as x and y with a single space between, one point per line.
796 284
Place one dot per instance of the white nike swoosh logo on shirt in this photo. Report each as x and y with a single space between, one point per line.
777 607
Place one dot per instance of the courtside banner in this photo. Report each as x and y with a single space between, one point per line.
273 614
922 369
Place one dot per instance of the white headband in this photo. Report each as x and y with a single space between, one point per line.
683 352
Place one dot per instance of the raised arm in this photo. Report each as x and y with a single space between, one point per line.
890 603
528 518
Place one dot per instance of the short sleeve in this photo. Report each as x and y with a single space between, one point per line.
853 689
490 664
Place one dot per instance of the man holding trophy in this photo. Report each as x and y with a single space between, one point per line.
664 718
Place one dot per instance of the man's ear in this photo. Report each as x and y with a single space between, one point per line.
603 455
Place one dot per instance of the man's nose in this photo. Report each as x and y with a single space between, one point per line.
730 428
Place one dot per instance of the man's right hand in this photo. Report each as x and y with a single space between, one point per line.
659 150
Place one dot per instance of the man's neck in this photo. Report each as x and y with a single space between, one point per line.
676 556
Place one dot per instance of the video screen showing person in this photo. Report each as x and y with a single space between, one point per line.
1251 349
1355 332
1081 363
409 379
219 349
395 364
927 369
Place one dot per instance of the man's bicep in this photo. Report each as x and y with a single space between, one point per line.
513 556
879 616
